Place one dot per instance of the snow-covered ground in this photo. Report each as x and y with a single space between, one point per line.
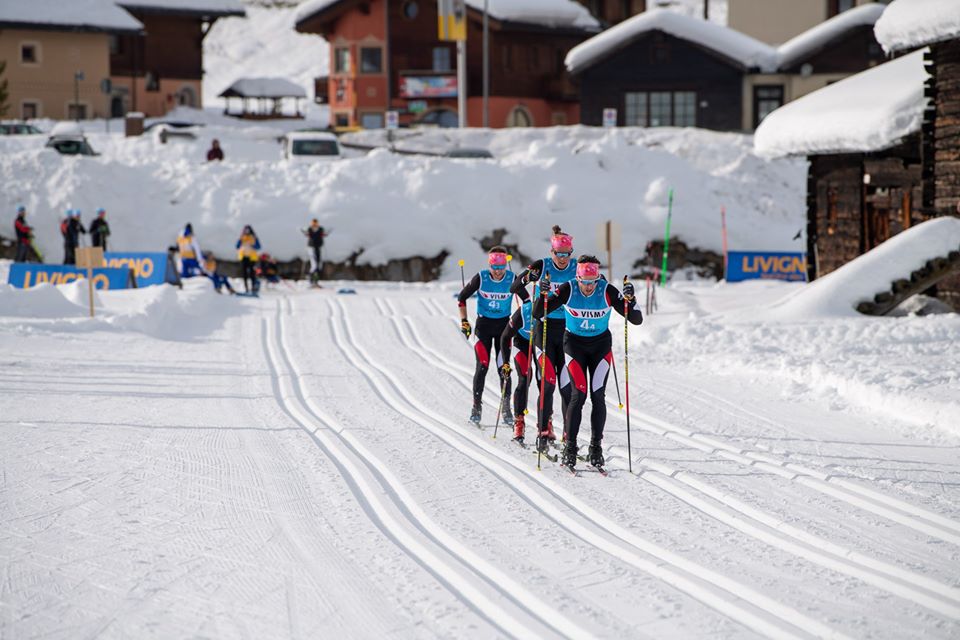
577 177
299 465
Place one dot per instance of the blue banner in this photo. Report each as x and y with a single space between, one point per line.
147 268
751 265
26 275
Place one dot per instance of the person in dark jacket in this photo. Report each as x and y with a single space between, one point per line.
71 237
24 235
215 152
99 229
315 235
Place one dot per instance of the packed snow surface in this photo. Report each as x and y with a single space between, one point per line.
907 24
98 15
813 39
577 177
869 111
300 466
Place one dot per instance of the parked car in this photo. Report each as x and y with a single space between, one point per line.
440 117
311 146
468 152
17 129
67 138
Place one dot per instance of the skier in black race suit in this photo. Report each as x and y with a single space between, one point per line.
518 331
556 269
492 287
586 304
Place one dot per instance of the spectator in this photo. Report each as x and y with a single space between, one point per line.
247 247
189 253
315 235
24 235
99 229
268 268
71 239
215 152
210 269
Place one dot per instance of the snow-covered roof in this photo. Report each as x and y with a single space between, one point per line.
79 15
728 43
264 88
815 38
200 7
907 24
869 111
547 13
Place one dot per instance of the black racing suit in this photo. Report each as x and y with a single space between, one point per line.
488 332
99 230
588 357
71 240
553 371
512 332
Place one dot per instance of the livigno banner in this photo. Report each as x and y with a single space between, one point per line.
25 275
750 265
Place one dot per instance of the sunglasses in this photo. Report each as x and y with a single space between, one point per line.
563 254
588 282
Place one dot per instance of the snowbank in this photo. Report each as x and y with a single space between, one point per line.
839 292
395 206
907 24
869 111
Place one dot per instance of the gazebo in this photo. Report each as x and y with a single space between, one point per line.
267 95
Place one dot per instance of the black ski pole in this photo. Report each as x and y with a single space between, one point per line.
626 376
503 392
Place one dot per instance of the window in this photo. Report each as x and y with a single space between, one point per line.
76 111
534 58
507 52
342 120
411 9
835 7
29 110
341 60
116 45
151 81
441 59
660 102
371 120
635 111
371 60
519 117
766 99
29 53
684 109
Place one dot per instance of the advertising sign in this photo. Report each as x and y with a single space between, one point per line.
452 19
428 86
147 268
393 119
609 117
751 265
417 106
26 275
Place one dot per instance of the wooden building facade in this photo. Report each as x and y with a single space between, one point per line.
941 128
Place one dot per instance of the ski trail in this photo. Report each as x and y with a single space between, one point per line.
838 558
738 602
373 484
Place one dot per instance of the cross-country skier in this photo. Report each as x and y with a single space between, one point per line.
247 247
518 330
586 305
24 235
315 235
99 229
558 268
492 287
71 238
190 253
210 270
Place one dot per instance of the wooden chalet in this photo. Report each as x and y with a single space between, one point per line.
387 56
163 68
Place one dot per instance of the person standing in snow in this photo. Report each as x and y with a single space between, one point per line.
315 235
215 152
492 287
99 229
556 269
586 304
518 330
247 247
71 238
190 253
24 235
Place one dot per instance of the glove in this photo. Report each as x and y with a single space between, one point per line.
628 292
532 275
505 369
465 328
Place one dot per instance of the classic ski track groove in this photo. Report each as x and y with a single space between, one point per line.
812 548
682 574
837 486
380 494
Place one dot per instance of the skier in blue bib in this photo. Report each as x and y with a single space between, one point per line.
556 269
518 331
492 287
586 306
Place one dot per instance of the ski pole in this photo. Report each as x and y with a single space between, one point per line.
463 282
526 410
543 363
666 241
626 376
616 382
503 392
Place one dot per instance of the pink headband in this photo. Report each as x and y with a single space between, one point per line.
562 242
497 259
588 271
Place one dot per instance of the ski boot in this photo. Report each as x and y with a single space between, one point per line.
506 412
475 414
543 443
518 428
595 455
569 456
550 435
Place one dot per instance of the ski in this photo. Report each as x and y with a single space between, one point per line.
599 470
572 471
552 458
520 442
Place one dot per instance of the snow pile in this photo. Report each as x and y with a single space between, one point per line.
92 15
812 39
160 311
265 43
839 292
907 24
394 206
869 111
728 43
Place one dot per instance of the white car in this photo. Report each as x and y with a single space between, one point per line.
310 146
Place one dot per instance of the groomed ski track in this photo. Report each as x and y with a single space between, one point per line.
309 472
